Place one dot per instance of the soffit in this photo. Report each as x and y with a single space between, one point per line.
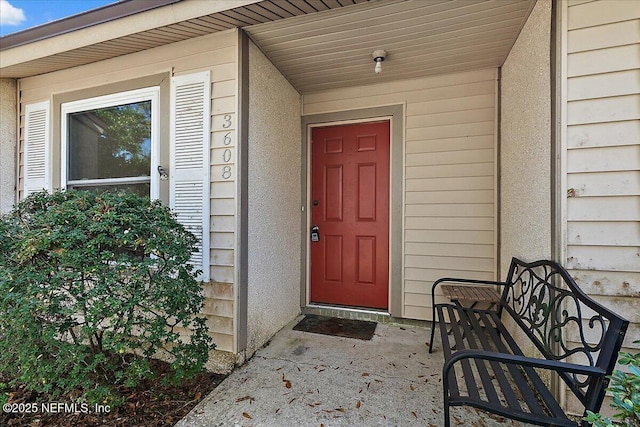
250 14
332 49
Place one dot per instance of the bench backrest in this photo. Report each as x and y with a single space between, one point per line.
564 324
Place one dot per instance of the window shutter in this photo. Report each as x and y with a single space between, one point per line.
37 153
189 168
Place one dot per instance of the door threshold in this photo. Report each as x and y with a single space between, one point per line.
373 315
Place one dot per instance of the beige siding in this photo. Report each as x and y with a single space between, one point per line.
449 169
216 53
603 154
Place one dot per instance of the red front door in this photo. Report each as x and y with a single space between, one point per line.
350 207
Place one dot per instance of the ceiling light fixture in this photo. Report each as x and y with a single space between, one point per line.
378 56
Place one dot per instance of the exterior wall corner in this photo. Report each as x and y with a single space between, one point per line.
525 143
274 186
8 142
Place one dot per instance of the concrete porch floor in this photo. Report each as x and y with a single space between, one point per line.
305 379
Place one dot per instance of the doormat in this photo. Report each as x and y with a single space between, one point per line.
347 328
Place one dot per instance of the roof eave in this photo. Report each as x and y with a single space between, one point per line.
82 20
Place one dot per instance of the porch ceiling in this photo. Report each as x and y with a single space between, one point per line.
18 58
332 49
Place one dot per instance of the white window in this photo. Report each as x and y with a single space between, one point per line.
111 142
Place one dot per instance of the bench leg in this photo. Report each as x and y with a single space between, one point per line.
433 324
447 420
433 329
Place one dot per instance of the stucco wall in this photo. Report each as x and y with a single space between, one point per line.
7 143
274 201
525 150
525 156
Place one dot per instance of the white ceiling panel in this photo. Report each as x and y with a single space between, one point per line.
332 48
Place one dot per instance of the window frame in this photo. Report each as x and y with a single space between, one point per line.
151 94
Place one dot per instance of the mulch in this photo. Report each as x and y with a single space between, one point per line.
151 404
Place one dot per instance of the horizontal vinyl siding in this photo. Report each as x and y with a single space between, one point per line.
449 175
603 155
216 53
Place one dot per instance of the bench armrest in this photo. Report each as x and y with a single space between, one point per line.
455 280
515 359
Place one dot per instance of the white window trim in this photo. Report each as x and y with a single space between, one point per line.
138 95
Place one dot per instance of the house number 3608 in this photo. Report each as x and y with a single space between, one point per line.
226 154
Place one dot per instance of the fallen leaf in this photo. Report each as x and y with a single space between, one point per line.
287 384
340 409
358 405
277 410
244 414
197 396
242 399
411 387
414 414
365 374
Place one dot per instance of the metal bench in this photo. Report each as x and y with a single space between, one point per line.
485 368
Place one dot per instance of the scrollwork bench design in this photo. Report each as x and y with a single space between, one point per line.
574 336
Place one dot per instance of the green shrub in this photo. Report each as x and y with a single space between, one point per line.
625 389
91 285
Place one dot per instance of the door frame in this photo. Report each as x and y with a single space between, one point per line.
395 115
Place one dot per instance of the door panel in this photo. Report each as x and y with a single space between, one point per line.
350 205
